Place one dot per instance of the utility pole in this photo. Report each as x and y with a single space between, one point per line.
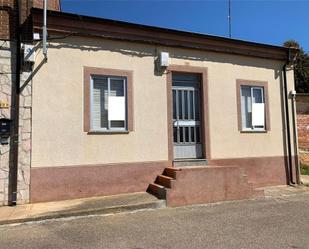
13 173
45 28
230 20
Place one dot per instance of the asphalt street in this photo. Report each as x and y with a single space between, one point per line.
266 223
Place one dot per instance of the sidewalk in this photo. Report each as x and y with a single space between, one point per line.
79 207
284 190
108 205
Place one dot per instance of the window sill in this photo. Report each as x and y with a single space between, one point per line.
107 132
253 131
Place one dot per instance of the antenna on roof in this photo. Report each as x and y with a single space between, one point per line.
230 20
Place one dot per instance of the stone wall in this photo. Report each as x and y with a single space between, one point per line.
7 76
24 149
7 81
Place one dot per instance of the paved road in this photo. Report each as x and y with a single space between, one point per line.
271 223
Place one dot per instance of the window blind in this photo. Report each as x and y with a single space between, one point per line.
99 104
108 103
246 107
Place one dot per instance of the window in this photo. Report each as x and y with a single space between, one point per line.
108 100
252 108
108 103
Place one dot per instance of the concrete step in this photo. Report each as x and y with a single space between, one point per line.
219 183
171 172
165 181
157 190
190 162
79 207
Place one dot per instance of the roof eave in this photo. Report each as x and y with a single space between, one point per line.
73 24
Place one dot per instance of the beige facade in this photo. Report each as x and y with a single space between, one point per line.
58 138
59 95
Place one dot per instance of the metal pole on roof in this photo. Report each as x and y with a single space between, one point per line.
230 20
45 29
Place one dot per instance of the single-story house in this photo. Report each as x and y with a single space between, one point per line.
118 107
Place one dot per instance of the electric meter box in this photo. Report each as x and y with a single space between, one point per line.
29 53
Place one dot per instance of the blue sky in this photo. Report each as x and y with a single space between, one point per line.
265 21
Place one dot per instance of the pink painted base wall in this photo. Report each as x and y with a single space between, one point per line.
62 183
231 179
261 171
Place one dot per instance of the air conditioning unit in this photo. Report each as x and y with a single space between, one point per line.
29 53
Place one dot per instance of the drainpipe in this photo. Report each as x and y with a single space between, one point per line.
15 115
295 135
287 116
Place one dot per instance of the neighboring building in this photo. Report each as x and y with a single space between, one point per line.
118 106
9 37
302 107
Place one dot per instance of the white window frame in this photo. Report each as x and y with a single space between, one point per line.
253 128
109 128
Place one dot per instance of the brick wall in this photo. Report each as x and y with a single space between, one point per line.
302 107
52 4
8 15
7 19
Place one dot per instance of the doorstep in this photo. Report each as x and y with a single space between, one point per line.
79 207
189 162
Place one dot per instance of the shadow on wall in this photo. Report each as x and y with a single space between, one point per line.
144 50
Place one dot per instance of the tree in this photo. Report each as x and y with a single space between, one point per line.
301 67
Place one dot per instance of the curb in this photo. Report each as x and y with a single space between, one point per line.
85 212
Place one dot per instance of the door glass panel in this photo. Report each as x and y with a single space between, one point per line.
192 134
174 104
198 134
180 104
175 134
187 134
197 105
181 134
186 104
191 104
